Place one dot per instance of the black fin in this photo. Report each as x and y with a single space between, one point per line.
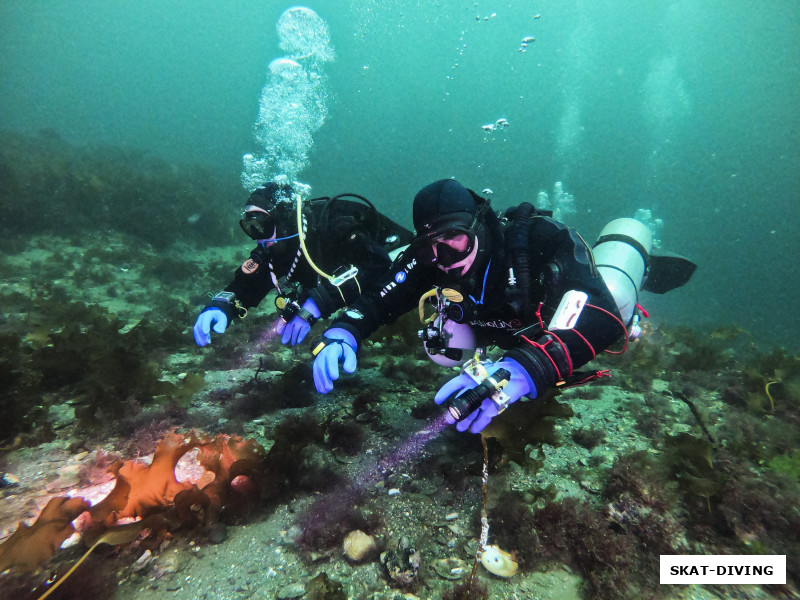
667 273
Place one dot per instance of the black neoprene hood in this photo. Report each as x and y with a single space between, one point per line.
442 201
266 196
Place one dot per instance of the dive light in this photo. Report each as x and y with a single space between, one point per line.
491 386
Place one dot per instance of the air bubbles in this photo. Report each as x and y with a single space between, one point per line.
501 123
304 34
523 45
286 68
293 103
562 203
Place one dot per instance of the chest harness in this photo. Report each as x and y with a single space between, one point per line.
345 282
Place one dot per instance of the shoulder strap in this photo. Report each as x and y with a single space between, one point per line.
517 251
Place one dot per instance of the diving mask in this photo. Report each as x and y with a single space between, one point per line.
449 242
257 223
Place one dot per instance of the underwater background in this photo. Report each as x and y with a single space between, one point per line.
685 108
123 128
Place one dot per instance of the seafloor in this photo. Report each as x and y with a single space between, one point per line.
690 447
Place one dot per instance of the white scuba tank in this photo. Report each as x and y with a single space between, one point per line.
622 256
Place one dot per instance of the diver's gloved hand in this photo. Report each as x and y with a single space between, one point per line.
297 329
339 346
211 316
519 384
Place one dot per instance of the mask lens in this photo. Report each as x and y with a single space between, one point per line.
446 249
452 247
257 225
449 241
448 256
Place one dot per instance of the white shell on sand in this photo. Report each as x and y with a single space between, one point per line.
498 562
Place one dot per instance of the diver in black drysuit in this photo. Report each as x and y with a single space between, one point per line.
339 233
512 274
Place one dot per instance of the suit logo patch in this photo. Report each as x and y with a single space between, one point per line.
249 266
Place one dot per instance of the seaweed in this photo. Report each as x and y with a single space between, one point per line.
572 532
347 436
150 491
65 348
588 437
30 547
690 461
513 528
21 411
788 464
466 591
107 188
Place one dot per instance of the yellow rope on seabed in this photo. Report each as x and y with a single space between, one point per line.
766 391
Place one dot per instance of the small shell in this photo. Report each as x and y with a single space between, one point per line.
449 568
142 561
498 562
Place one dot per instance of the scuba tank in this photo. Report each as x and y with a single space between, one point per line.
622 256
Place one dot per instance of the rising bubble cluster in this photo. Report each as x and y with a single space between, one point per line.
293 104
304 35
562 203
655 225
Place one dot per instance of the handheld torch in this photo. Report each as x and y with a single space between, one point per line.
489 386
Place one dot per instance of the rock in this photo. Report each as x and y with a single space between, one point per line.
293 590
169 562
68 477
142 561
402 562
358 545
217 533
61 415
8 480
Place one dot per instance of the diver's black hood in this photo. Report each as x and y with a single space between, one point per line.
269 195
441 199
446 199
277 200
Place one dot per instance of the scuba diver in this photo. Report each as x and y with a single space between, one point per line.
520 281
344 235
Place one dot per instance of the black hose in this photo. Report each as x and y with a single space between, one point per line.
518 245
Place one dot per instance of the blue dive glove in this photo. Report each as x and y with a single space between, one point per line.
296 330
519 384
340 345
202 327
